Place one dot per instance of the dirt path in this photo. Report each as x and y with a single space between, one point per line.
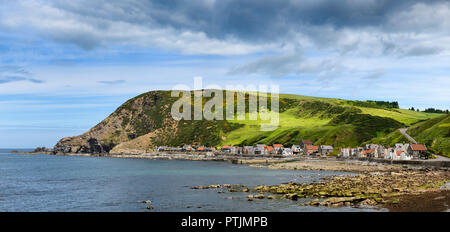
411 139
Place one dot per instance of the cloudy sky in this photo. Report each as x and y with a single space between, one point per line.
65 65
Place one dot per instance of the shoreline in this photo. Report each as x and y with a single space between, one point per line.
329 163
399 195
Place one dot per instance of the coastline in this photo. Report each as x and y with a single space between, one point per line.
404 186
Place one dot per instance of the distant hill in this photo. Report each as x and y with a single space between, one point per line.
145 121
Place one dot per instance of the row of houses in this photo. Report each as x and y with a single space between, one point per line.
401 151
305 147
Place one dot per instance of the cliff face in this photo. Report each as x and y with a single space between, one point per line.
142 123
141 115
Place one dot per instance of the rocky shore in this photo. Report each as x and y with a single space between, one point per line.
378 185
394 190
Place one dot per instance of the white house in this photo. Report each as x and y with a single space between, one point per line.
394 154
288 151
405 156
345 152
402 146
296 149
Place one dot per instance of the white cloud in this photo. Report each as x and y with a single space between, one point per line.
88 33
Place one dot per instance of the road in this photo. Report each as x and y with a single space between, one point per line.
412 140
403 131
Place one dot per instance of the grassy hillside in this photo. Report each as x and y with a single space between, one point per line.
390 139
435 133
327 121
145 121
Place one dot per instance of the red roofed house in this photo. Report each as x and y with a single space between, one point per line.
310 149
269 149
304 143
278 148
226 148
366 153
416 150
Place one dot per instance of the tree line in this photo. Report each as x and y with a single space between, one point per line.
431 110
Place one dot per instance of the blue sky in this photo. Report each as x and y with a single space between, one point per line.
66 65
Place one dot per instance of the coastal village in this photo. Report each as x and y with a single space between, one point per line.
401 151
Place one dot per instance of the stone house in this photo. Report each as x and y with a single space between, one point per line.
311 149
304 143
325 150
416 150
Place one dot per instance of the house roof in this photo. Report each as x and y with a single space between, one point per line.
269 148
311 147
226 146
398 152
418 147
278 145
369 151
305 141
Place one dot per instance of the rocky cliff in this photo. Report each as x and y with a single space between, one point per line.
139 116
142 123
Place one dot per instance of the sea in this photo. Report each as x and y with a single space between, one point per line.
49 183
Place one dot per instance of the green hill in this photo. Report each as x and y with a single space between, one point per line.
435 133
145 121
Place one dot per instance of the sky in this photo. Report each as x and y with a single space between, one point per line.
66 65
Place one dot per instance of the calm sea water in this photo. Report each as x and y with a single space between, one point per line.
69 183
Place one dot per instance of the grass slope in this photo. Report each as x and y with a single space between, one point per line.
326 121
435 133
